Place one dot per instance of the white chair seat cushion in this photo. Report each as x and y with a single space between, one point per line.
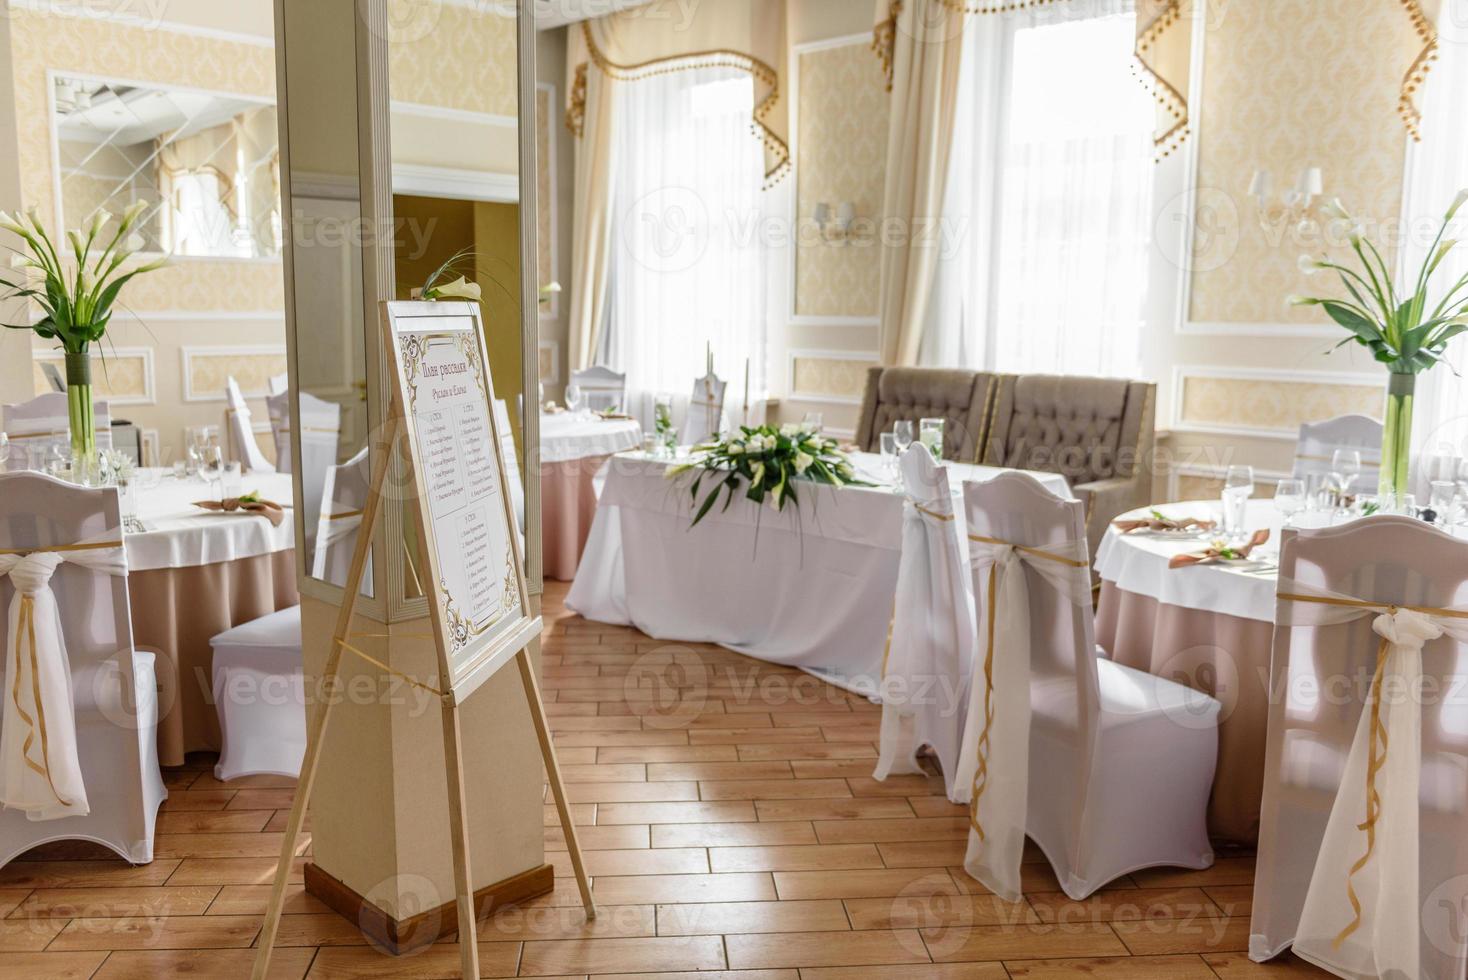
1129 695
271 633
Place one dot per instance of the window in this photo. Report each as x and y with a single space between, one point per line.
688 267
1050 198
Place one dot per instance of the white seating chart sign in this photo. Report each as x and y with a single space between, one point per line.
446 393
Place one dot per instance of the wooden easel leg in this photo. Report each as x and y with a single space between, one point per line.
459 833
553 773
321 712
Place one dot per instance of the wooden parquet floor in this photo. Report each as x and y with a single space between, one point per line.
734 831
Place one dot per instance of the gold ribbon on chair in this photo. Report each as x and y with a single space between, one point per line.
981 773
892 622
1377 739
25 629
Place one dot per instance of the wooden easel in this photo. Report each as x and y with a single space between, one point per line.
450 700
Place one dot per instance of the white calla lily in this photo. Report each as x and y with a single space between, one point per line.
1458 202
460 288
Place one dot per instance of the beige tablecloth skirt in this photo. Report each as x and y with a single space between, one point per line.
1224 656
176 611
567 508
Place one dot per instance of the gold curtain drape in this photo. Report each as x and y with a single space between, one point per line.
624 47
1164 55
926 48
1423 15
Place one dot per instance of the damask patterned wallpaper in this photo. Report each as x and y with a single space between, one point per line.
1289 84
842 146
1249 403
445 54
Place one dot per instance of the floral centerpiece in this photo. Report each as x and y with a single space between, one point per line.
766 463
1399 330
76 294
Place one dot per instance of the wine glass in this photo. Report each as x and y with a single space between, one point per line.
1441 500
212 468
1238 487
1289 498
902 434
1345 466
888 441
813 422
573 398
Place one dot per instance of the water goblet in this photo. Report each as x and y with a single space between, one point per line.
902 434
1238 487
1289 499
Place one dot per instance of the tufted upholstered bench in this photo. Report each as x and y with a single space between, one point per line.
1097 432
915 393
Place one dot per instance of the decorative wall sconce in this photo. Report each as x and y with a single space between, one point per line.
1296 208
835 223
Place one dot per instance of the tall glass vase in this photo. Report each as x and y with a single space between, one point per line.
1396 438
79 416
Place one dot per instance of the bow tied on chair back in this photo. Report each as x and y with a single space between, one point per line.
996 742
1363 908
40 772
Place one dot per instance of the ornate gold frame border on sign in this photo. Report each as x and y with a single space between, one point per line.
717 58
461 662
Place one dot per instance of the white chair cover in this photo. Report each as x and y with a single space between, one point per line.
240 431
512 464
1361 863
1319 440
260 695
925 673
1106 768
321 432
705 417
346 489
601 388
279 383
73 682
278 407
35 426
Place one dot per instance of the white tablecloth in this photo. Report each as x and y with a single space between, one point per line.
1137 563
565 436
180 535
811 587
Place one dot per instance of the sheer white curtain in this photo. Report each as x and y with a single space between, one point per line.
1437 168
1047 218
688 259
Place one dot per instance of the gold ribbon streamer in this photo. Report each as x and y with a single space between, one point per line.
981 773
1377 739
25 629
395 673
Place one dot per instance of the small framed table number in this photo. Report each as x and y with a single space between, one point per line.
443 408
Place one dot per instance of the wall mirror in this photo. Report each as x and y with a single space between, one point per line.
207 163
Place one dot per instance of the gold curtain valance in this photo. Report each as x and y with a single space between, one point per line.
1423 15
745 35
1163 52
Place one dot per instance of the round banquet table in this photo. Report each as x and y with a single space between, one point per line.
193 574
1210 627
572 449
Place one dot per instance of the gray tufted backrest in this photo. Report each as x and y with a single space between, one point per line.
1087 429
913 393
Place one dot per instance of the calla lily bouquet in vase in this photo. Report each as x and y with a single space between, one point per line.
1400 329
75 290
765 463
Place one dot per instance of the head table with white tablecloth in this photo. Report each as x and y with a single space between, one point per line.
193 574
573 447
1207 626
811 587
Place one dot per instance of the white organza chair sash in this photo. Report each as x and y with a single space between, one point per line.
40 771
1363 912
999 711
926 666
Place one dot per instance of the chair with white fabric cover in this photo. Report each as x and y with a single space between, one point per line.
925 673
279 383
240 433
90 771
35 426
321 431
345 494
602 389
705 417
1106 768
1368 661
260 695
512 463
1319 440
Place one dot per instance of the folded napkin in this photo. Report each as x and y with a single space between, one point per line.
249 503
1160 522
1219 551
613 416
